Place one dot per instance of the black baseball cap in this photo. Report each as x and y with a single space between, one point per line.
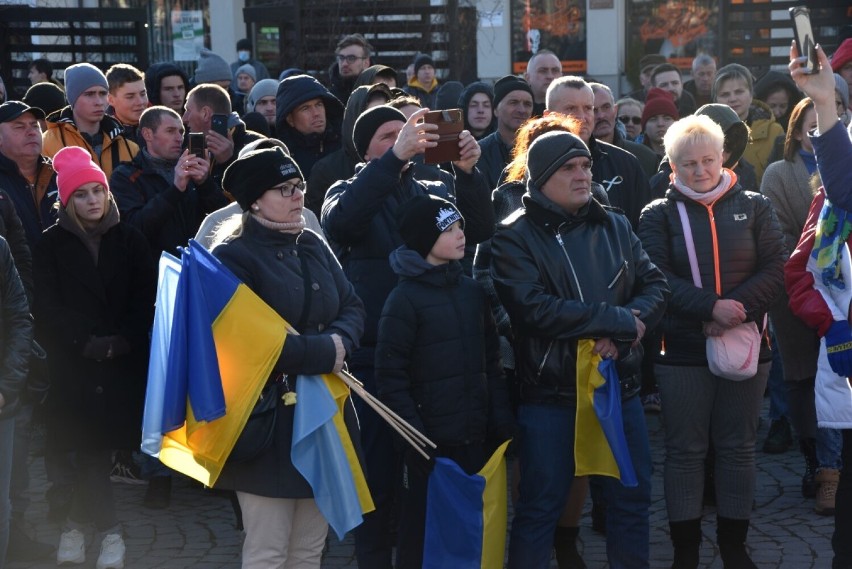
10 110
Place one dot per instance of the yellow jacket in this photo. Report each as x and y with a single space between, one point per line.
62 132
764 130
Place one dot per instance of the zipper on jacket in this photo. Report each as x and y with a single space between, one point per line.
618 275
544 359
570 264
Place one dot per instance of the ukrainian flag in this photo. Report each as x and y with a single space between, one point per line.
324 454
600 447
466 515
223 343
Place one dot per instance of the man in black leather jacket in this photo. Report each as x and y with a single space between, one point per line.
567 269
16 335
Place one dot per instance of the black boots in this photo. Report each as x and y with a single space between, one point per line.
565 543
686 539
731 536
809 484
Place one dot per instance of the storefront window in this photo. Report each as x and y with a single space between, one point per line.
557 25
678 29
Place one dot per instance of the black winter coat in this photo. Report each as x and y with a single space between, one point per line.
438 355
166 216
621 175
359 216
495 156
16 334
12 230
95 404
751 258
269 263
563 278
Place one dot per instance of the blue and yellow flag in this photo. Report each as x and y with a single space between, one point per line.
223 345
600 446
466 515
324 454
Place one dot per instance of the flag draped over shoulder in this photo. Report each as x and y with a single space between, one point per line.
324 454
466 515
600 446
223 344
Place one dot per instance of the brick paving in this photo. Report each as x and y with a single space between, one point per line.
197 530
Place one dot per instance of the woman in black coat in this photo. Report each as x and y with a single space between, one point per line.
739 260
294 272
95 285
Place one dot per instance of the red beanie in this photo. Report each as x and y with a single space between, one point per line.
842 56
659 102
74 167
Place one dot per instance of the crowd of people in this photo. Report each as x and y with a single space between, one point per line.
655 226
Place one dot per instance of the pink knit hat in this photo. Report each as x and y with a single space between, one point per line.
74 167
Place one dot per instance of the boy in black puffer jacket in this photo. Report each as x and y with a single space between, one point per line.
438 358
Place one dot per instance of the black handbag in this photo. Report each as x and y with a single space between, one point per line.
256 437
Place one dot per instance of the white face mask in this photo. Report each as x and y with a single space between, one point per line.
243 55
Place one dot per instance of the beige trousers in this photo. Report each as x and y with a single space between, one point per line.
282 533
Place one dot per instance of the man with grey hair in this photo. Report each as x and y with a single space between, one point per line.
605 130
616 169
703 72
542 69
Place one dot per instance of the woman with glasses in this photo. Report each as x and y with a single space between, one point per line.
294 272
630 115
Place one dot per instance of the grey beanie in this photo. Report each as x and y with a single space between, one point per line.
549 152
80 77
261 89
736 131
842 87
211 67
248 69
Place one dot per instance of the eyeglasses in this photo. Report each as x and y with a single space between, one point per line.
627 120
287 190
350 59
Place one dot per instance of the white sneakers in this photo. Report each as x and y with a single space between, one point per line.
112 552
72 550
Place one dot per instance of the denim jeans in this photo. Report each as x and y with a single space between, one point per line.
546 438
829 444
7 437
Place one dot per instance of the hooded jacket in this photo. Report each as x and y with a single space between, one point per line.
565 277
437 357
155 75
427 94
62 132
340 164
771 82
464 101
339 86
306 150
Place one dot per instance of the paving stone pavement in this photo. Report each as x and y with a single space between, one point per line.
197 530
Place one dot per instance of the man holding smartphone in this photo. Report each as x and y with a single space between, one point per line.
167 190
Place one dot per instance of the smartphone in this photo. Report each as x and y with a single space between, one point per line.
804 35
219 124
198 144
450 125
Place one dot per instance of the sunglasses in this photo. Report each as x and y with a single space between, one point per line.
627 120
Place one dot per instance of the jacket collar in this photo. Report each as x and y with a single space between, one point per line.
545 212
408 264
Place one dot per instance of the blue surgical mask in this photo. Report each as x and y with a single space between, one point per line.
243 55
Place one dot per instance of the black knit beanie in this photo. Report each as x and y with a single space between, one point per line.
549 152
369 122
254 173
422 219
422 60
506 85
